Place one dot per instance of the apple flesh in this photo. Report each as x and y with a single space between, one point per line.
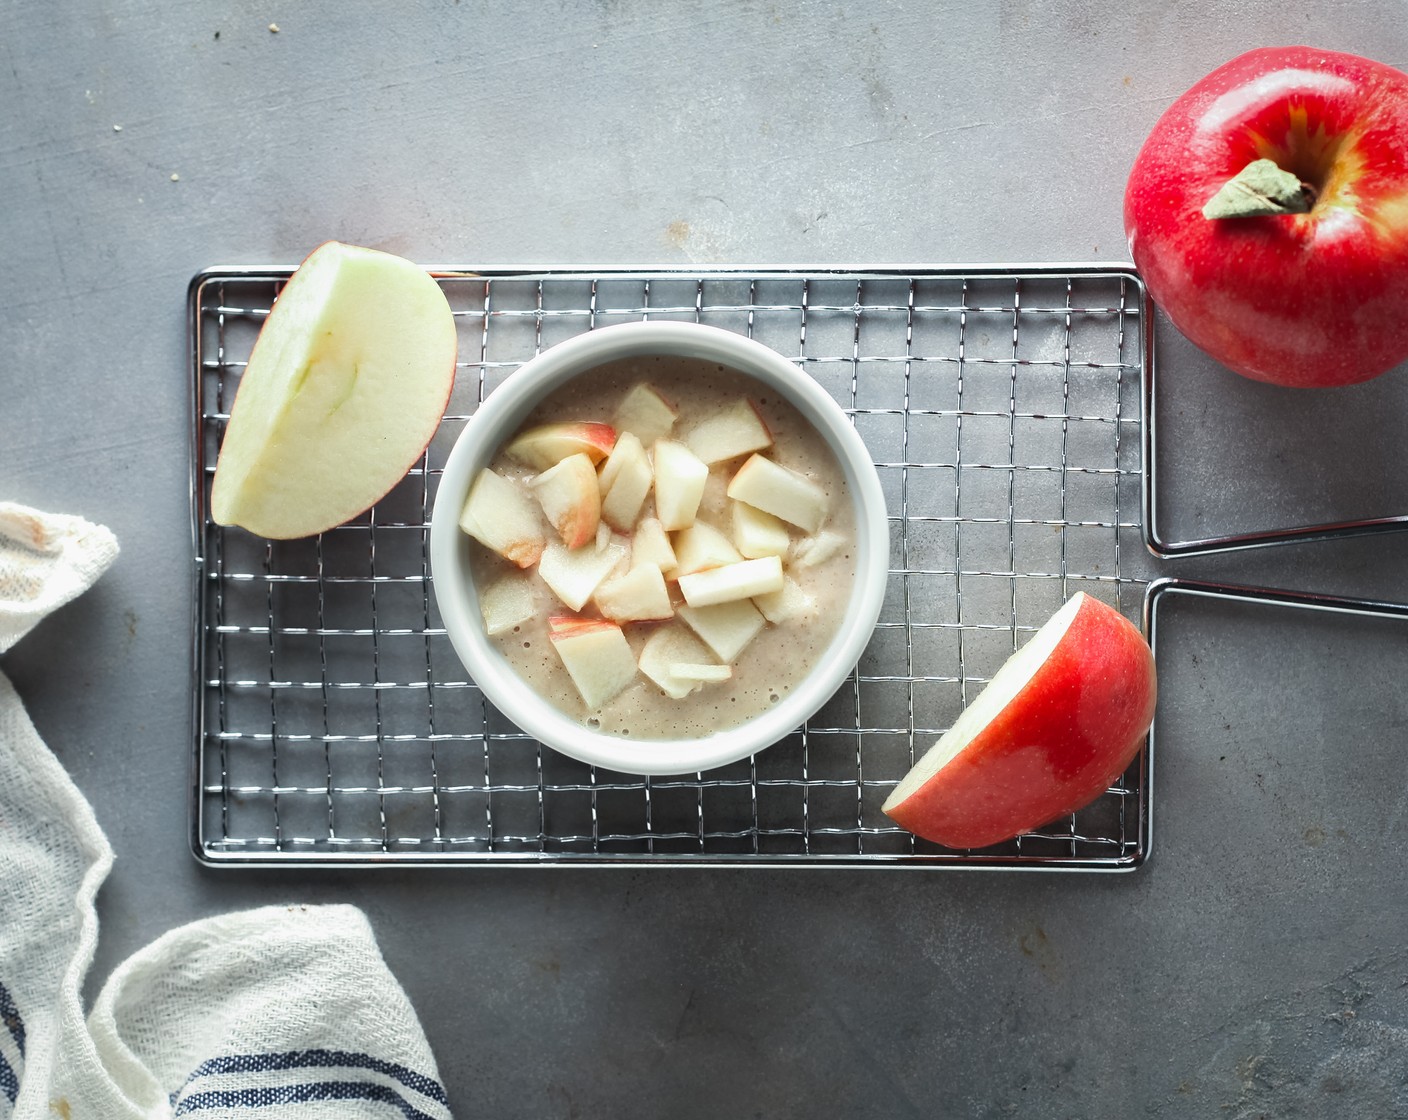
734 431
596 656
1306 292
701 547
507 602
570 498
646 413
1060 721
547 445
574 574
503 519
780 491
626 478
726 628
345 387
638 596
664 652
728 582
680 478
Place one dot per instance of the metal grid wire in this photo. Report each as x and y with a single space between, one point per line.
334 723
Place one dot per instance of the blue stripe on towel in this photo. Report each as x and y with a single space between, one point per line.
322 1059
9 1083
301 1094
11 1016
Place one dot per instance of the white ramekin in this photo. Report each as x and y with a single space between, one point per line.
504 411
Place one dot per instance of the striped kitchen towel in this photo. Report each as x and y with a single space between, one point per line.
280 1012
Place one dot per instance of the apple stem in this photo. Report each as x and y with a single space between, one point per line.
1259 189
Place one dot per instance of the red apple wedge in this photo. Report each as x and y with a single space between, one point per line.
1061 719
346 385
547 445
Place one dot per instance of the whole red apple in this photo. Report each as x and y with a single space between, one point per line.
1302 282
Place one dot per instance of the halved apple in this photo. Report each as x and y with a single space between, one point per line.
546 445
1062 718
596 655
780 491
346 385
503 519
570 498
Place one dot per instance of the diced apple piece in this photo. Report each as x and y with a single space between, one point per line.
638 596
651 545
647 414
503 519
696 673
756 533
668 647
506 603
701 547
726 628
547 445
735 431
679 484
596 655
780 491
725 584
626 478
786 605
818 549
603 535
571 499
573 575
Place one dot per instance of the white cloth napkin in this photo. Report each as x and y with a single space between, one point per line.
280 1013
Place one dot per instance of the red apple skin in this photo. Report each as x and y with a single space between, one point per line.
1055 747
1303 300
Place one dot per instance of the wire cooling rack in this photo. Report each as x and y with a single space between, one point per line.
335 725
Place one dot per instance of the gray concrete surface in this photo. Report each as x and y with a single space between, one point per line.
1256 966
